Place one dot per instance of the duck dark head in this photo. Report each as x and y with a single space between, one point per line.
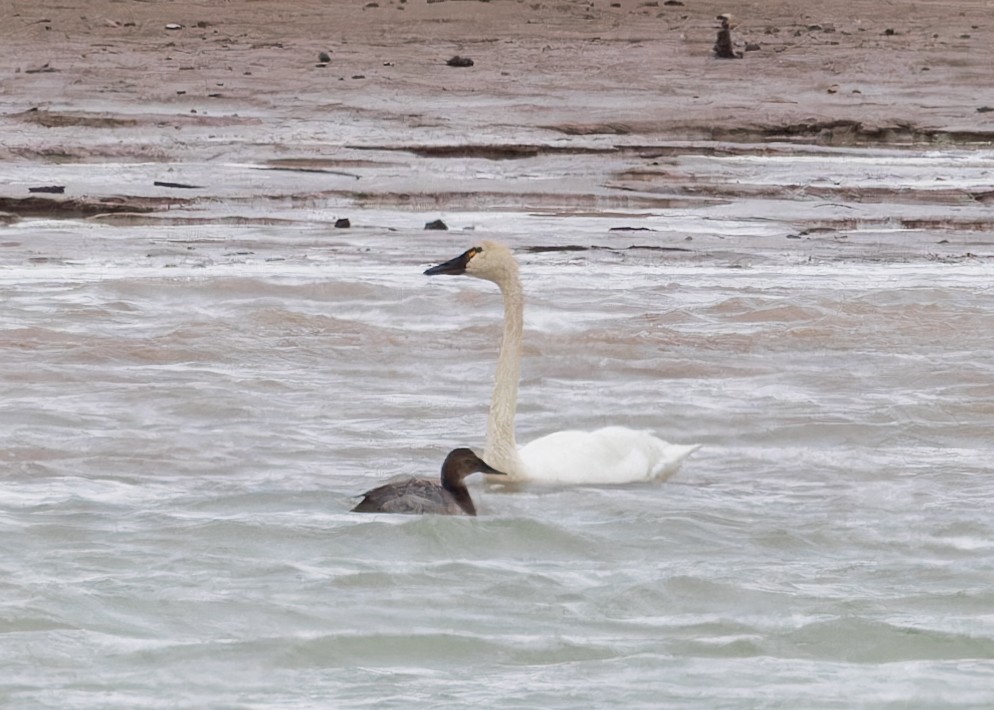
463 462
459 464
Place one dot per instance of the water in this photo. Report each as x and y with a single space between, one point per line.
190 409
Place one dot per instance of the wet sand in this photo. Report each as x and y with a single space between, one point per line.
611 110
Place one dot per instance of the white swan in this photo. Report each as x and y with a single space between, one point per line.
610 455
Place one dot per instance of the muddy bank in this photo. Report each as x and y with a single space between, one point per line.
314 111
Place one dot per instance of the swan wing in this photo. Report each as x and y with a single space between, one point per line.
611 455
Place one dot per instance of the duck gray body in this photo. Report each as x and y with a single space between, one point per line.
416 496
412 496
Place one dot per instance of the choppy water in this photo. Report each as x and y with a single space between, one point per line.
187 413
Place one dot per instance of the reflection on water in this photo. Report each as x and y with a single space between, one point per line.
187 416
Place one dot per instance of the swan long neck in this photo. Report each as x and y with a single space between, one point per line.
502 449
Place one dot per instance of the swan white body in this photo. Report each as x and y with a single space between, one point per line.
611 455
614 454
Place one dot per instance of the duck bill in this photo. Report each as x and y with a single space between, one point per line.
490 470
453 267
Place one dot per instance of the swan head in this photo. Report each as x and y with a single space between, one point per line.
490 260
461 463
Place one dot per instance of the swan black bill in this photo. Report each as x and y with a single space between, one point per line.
454 267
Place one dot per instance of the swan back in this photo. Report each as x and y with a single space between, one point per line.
612 455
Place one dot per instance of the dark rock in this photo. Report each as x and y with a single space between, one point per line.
52 189
458 61
723 48
324 57
45 68
342 223
723 45
436 224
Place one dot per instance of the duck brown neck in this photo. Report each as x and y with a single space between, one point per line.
460 494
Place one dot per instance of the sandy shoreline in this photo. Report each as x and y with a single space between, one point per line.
576 107
645 67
